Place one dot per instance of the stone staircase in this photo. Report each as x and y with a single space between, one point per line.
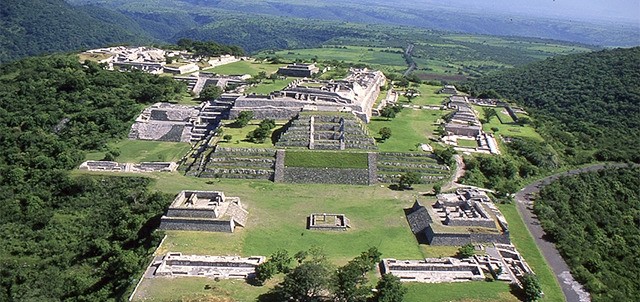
210 117
327 131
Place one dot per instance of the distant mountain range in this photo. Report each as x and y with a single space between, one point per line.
30 27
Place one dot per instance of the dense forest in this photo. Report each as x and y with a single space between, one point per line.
587 106
71 238
32 27
594 218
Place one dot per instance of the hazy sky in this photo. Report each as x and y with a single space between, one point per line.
621 10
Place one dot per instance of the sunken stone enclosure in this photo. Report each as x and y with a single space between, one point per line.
204 211
328 222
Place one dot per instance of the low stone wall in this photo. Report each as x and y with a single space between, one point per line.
372 161
196 213
182 224
450 239
326 175
278 176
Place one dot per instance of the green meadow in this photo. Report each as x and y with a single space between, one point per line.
135 151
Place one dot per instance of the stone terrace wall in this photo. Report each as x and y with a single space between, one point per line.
449 239
171 223
326 175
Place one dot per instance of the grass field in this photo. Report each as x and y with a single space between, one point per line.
463 291
429 96
325 159
527 247
408 128
277 219
268 86
135 151
354 54
239 135
467 143
509 129
245 67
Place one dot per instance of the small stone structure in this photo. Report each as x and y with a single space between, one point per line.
204 211
466 216
434 270
165 122
111 166
328 222
448 89
299 70
223 267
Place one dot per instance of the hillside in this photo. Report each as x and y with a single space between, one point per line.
57 242
587 103
598 236
32 27
420 14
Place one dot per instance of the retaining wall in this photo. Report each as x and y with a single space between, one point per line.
326 175
182 224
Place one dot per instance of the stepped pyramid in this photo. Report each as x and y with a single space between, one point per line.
327 131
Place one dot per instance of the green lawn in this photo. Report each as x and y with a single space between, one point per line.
268 86
429 96
408 128
311 159
277 219
239 135
467 143
354 54
462 291
135 151
509 129
245 67
527 247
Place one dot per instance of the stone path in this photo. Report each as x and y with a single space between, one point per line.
573 291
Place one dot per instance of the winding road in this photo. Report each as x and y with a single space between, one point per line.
573 291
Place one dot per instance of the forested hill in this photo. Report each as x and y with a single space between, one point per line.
66 238
594 219
588 104
32 27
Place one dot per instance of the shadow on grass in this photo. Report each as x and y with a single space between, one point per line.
396 187
517 291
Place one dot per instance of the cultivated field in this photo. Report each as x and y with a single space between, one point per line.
353 54
245 67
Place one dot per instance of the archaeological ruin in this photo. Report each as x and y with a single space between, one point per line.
434 270
209 211
328 222
111 166
464 124
222 267
299 70
466 216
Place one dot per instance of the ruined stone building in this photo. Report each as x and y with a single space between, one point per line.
299 70
223 267
204 211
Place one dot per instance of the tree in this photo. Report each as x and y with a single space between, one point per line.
466 251
265 270
388 112
489 113
385 133
307 282
531 287
243 119
408 179
389 289
445 155
411 94
210 93
273 77
437 188
282 260
227 137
